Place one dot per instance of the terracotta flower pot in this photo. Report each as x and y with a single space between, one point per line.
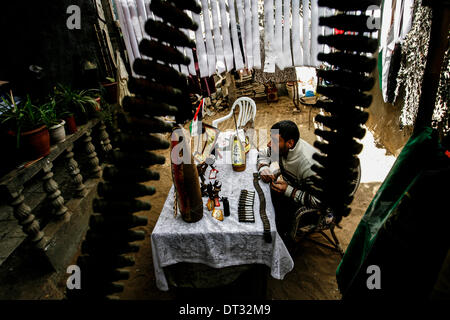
35 143
98 107
57 133
111 91
71 126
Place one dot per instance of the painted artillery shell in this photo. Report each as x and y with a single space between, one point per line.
226 207
210 204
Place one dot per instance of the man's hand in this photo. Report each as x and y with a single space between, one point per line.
279 186
267 175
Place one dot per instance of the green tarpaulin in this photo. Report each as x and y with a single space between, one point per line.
405 221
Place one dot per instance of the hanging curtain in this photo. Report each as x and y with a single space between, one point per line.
138 28
125 32
232 34
210 51
306 33
278 40
227 48
287 57
297 51
142 16
314 33
147 3
132 16
269 52
130 30
248 33
229 34
220 60
238 54
241 24
200 46
256 46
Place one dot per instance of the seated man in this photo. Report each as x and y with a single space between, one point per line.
295 160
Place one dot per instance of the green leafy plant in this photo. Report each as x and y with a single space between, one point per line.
21 117
107 113
110 90
50 113
71 101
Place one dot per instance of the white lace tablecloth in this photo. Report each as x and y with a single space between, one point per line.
217 243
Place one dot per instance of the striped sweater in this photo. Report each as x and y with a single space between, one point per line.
295 169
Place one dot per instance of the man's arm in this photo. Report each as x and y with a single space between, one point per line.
263 159
302 196
263 165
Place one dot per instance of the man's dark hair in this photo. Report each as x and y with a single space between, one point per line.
288 130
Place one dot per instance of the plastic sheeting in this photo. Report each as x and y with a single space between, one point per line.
292 40
270 54
132 16
210 50
405 225
220 62
227 47
290 34
287 56
255 32
297 51
248 33
200 45
238 54
278 40
228 36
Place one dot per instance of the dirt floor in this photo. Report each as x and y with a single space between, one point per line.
313 276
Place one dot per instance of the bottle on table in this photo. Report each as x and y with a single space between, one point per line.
237 154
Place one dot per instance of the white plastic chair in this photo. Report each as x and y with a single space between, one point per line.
247 112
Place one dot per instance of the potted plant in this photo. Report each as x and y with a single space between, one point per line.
65 112
54 122
71 125
110 90
25 121
80 103
107 113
